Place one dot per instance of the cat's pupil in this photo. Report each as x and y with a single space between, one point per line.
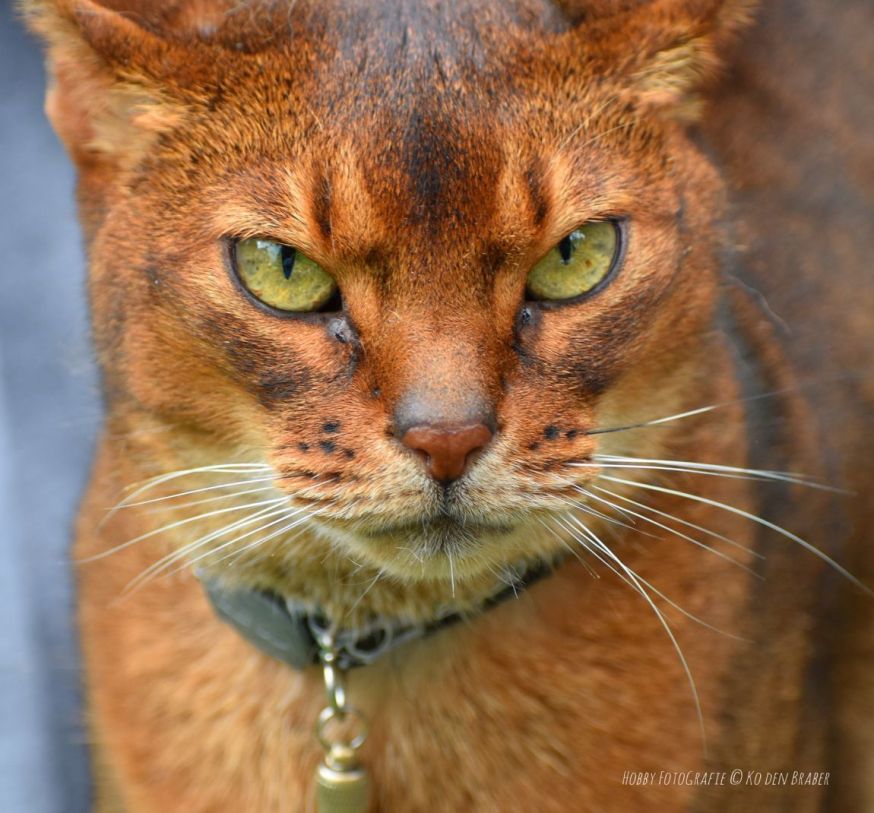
566 250
288 255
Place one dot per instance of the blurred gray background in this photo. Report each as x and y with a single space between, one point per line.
49 410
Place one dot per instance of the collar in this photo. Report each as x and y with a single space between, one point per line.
290 633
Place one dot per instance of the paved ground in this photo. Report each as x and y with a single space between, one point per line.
48 412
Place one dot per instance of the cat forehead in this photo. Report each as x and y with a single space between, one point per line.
426 108
431 106
393 54
387 49
255 24
426 154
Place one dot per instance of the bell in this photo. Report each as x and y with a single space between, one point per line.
342 785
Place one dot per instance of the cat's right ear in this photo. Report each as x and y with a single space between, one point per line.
110 91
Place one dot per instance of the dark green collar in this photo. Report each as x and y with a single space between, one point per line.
288 632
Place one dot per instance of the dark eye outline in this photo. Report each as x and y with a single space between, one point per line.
620 226
334 306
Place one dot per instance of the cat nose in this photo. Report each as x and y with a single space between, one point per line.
447 450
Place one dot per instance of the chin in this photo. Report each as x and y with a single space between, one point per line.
444 548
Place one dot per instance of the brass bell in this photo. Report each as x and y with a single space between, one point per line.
342 784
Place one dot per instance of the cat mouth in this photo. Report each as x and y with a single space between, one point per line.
440 525
431 535
441 545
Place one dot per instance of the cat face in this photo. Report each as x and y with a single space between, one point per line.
426 161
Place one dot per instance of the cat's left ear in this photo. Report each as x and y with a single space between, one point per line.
670 48
111 81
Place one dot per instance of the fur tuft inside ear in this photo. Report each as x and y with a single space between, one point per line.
668 82
680 44
105 97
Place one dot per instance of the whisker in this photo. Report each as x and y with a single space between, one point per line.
661 595
594 138
691 412
576 504
695 467
760 520
662 620
232 496
235 555
177 495
250 545
574 553
703 464
600 514
507 581
175 555
226 468
677 469
671 517
367 589
680 534
177 524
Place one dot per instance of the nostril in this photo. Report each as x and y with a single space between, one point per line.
447 450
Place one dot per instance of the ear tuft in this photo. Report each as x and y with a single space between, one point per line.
671 77
105 98
683 40
110 36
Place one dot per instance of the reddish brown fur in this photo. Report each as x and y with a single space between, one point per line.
427 156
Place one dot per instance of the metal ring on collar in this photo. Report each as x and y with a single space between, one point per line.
328 714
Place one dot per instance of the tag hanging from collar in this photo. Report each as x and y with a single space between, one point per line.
301 638
342 783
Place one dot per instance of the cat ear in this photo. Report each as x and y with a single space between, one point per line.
672 47
108 96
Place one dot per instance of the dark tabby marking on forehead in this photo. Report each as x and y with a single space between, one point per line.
322 205
445 175
537 192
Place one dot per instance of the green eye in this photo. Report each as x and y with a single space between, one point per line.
577 264
282 277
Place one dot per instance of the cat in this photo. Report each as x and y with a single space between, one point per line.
444 319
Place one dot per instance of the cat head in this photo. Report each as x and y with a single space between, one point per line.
414 256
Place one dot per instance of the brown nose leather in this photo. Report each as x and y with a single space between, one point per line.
447 449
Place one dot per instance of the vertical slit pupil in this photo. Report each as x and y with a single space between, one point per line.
288 255
565 250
